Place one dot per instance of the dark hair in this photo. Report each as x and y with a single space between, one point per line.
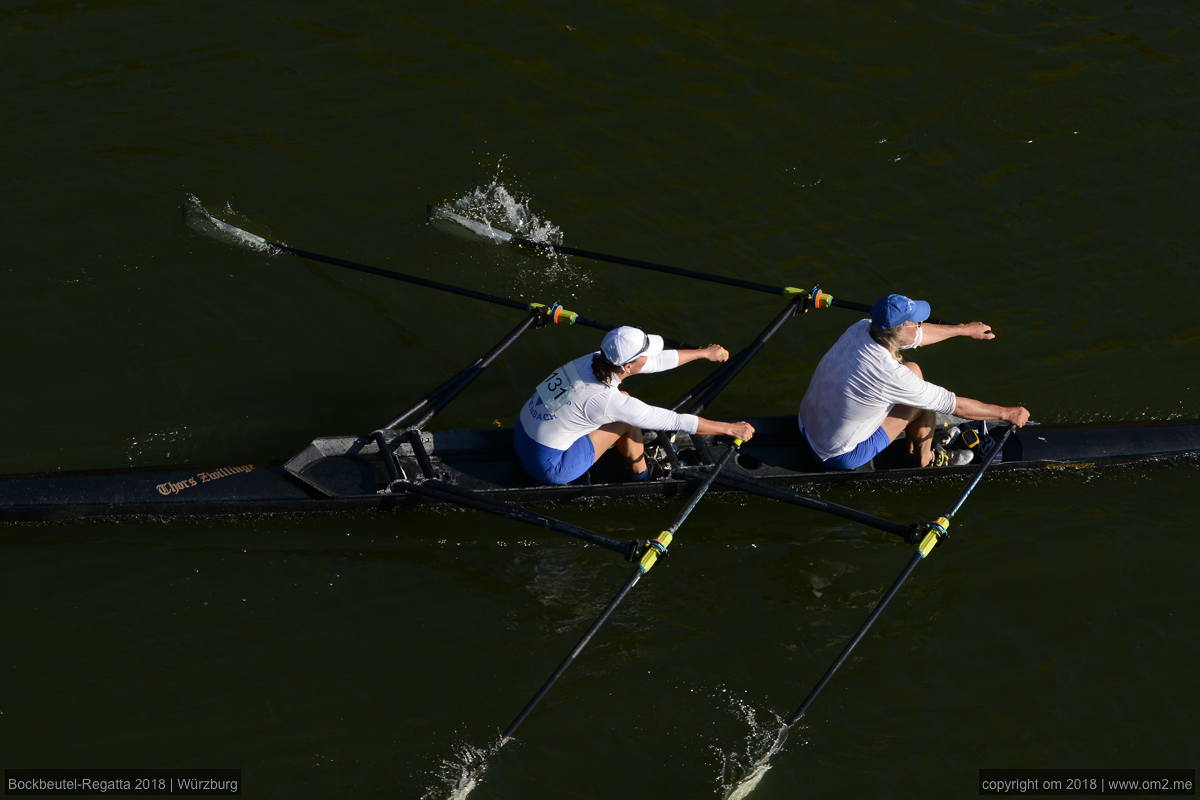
603 369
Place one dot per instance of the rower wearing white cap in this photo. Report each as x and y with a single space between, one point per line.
577 413
863 394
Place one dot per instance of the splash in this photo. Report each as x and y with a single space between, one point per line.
460 774
496 213
497 207
154 444
764 738
464 787
751 779
199 219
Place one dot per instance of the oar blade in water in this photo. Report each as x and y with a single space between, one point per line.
465 786
198 218
460 774
475 226
751 779
746 785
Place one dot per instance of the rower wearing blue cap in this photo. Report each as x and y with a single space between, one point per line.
863 394
578 412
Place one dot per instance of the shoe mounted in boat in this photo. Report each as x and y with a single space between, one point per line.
956 457
654 470
945 436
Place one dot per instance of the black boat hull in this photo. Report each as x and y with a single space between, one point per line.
348 473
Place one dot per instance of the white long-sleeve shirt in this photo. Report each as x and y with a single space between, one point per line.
854 387
571 402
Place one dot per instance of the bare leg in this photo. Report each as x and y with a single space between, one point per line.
917 423
626 439
920 438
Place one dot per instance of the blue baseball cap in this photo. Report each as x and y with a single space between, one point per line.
896 309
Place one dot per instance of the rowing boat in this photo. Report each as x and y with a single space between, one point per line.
375 472
403 465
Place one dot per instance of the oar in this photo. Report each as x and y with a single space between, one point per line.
718 379
448 493
655 548
727 371
238 234
490 232
934 532
820 299
440 397
784 495
495 234
733 368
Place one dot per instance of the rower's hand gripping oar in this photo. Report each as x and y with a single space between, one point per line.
934 533
655 549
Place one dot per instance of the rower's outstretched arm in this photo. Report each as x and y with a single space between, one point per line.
933 333
975 409
714 352
738 430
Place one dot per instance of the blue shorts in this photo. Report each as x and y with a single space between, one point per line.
548 465
867 449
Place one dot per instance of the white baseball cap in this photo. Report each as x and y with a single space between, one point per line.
624 344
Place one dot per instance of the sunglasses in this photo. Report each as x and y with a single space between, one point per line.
645 347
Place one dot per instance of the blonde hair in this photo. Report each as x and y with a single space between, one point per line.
888 338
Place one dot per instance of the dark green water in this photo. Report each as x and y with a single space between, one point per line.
1032 165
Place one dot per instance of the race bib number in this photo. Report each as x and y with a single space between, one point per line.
559 386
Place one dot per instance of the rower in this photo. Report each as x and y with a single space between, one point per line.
578 413
863 393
